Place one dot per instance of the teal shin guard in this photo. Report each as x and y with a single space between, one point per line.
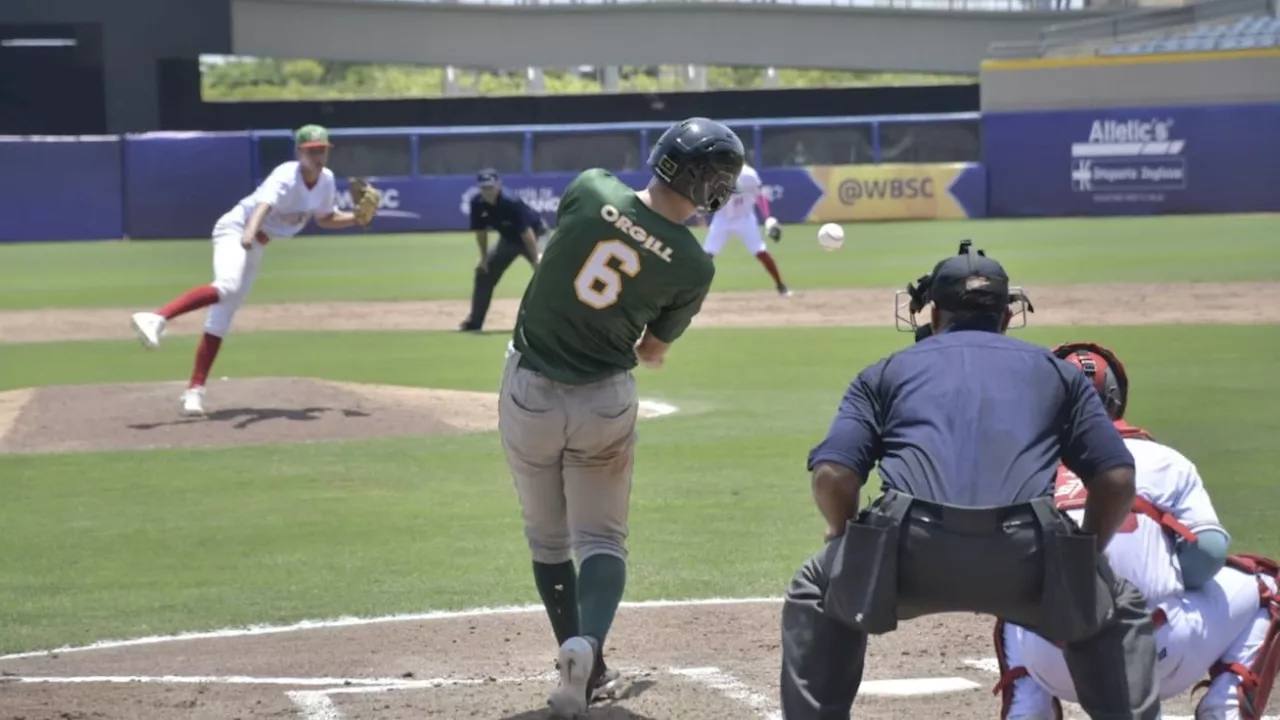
601 581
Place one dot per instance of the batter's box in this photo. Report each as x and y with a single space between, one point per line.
675 694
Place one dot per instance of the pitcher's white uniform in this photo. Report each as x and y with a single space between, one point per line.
293 205
737 217
1221 620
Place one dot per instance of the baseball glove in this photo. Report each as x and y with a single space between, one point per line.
365 199
773 229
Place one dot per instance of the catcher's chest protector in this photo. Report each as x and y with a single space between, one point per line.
1257 679
1069 493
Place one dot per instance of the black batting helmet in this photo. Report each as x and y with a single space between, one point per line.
700 160
1104 370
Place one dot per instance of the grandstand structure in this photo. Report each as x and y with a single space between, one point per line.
1250 31
1203 26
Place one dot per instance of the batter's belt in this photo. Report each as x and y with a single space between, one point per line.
1028 563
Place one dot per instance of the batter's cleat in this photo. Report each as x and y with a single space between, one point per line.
149 327
193 402
606 685
783 291
578 668
468 327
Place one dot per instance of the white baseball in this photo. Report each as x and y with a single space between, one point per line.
831 236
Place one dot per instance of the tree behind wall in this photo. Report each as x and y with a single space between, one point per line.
269 79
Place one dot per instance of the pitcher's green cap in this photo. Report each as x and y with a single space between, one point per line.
312 136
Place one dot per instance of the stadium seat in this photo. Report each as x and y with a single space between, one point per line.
1243 33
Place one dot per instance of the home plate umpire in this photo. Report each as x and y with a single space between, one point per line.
967 427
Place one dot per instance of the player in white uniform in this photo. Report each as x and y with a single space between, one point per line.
1212 620
293 194
737 217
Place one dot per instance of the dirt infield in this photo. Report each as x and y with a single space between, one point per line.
1119 304
682 661
679 662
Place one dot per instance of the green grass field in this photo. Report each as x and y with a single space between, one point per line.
121 544
417 267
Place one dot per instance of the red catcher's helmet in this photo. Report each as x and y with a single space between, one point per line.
1104 369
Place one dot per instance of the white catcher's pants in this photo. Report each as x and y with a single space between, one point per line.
1221 620
234 271
744 227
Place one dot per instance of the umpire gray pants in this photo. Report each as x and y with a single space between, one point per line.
943 570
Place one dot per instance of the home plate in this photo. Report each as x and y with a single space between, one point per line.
918 686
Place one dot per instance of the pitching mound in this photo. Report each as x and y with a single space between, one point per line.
251 411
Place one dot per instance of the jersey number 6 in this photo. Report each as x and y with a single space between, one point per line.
598 284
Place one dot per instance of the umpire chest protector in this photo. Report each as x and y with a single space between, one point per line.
903 558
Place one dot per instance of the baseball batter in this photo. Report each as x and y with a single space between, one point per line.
1172 548
293 194
738 217
621 266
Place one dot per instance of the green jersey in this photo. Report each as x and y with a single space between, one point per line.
612 267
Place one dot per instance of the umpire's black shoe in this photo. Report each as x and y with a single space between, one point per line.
467 326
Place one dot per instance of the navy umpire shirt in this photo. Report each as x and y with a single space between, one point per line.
509 216
972 418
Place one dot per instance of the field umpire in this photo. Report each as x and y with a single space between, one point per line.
519 227
968 427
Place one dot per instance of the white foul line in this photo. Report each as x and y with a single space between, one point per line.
319 705
337 683
344 622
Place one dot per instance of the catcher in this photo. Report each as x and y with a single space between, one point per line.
293 194
1216 615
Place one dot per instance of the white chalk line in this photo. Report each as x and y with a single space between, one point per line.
335 683
349 621
319 705
731 687
989 665
992 665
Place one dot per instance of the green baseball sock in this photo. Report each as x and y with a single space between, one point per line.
601 580
557 586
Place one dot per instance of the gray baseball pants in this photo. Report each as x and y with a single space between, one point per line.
571 450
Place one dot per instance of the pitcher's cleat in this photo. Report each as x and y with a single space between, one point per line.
149 327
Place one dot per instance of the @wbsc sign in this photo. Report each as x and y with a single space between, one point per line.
853 190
